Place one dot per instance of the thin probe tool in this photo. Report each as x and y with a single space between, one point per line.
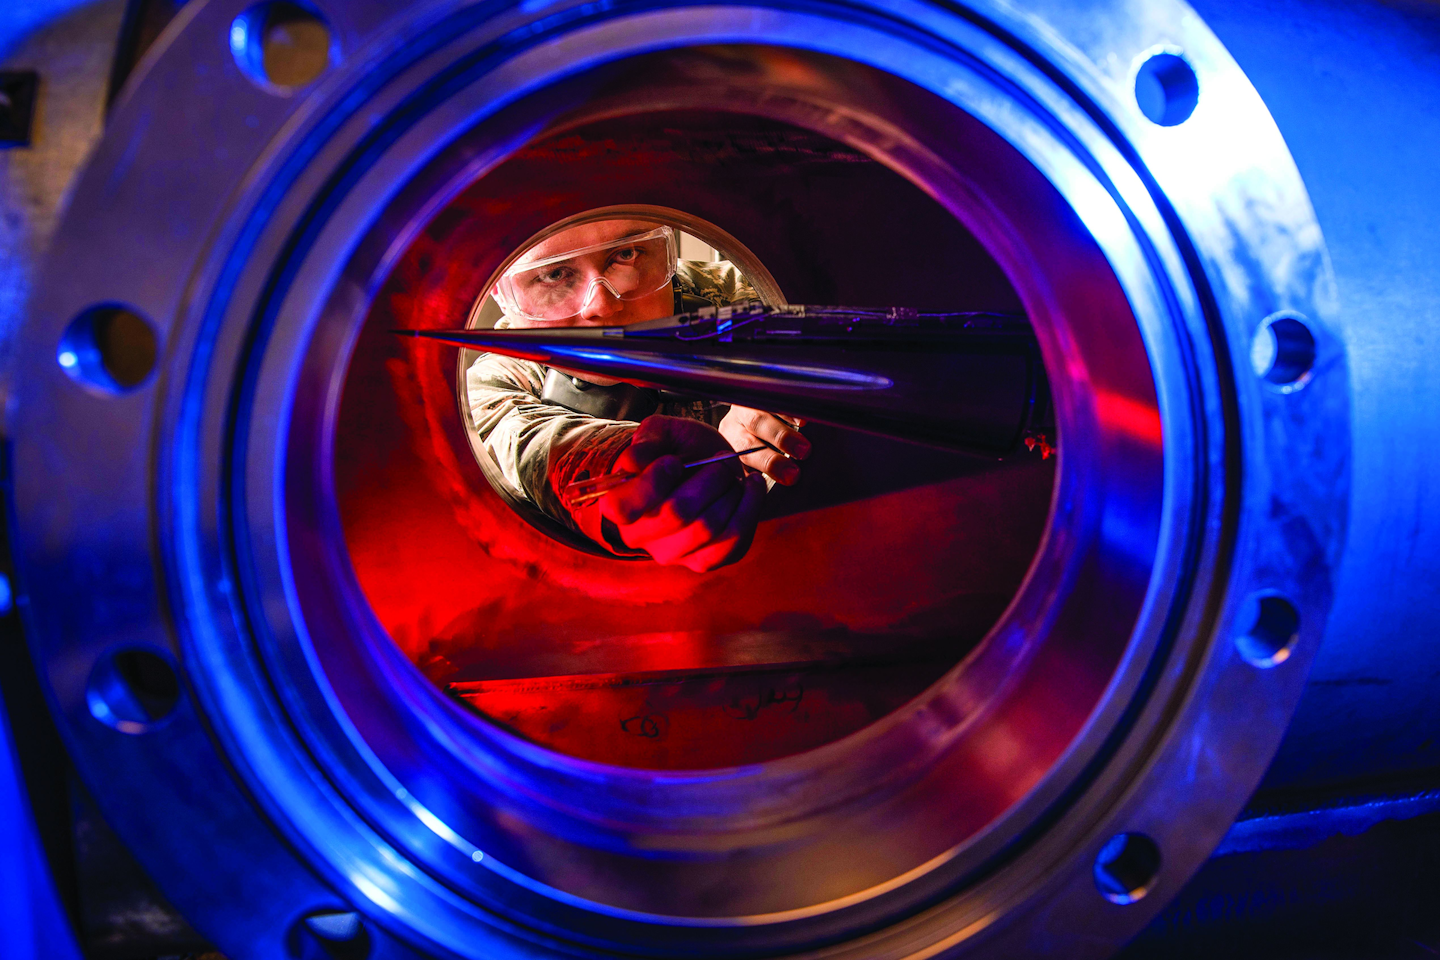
583 491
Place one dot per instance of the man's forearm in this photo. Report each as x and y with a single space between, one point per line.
540 447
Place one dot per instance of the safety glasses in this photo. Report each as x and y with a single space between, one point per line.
559 287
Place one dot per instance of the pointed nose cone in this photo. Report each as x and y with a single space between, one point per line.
960 381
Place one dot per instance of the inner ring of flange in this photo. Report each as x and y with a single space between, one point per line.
524 810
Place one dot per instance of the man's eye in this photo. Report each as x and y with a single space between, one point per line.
553 276
626 255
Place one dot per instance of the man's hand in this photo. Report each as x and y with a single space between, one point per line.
746 427
702 518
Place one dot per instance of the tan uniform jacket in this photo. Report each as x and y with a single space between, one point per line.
541 447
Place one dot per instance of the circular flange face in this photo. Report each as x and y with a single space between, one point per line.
1044 798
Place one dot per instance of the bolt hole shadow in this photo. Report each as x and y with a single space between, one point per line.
1126 867
1166 89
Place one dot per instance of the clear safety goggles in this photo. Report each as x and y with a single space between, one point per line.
559 287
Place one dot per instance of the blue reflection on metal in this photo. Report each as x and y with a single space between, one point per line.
33 925
738 368
18 20
1354 89
1297 829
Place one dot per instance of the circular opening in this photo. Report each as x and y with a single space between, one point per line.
1166 89
132 690
281 45
891 657
110 348
712 268
1127 867
1283 351
330 935
877 569
1272 634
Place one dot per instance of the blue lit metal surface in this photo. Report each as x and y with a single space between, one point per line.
18 21
1355 88
1304 828
33 925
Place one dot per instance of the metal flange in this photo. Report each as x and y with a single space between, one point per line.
270 757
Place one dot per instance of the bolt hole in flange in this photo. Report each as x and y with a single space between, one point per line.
330 935
1272 633
1283 352
1166 89
1126 867
109 348
281 46
133 690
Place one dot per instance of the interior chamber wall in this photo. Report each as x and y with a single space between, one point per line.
886 553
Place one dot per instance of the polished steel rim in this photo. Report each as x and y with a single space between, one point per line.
449 833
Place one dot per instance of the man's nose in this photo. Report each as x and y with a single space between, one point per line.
602 302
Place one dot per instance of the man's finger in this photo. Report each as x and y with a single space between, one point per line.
640 454
630 501
654 438
659 435
774 465
700 532
781 434
733 542
683 505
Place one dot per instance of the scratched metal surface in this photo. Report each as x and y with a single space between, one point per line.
1367 156
70 43
683 720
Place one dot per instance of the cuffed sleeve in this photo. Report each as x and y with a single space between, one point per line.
540 447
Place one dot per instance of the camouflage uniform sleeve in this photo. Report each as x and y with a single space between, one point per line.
718 283
721 283
541 447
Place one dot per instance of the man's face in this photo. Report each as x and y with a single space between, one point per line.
603 308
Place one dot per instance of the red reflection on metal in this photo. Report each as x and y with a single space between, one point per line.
1137 419
474 594
699 718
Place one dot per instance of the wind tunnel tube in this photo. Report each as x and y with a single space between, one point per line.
873 577
1036 694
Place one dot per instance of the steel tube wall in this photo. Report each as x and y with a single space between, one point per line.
1355 90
